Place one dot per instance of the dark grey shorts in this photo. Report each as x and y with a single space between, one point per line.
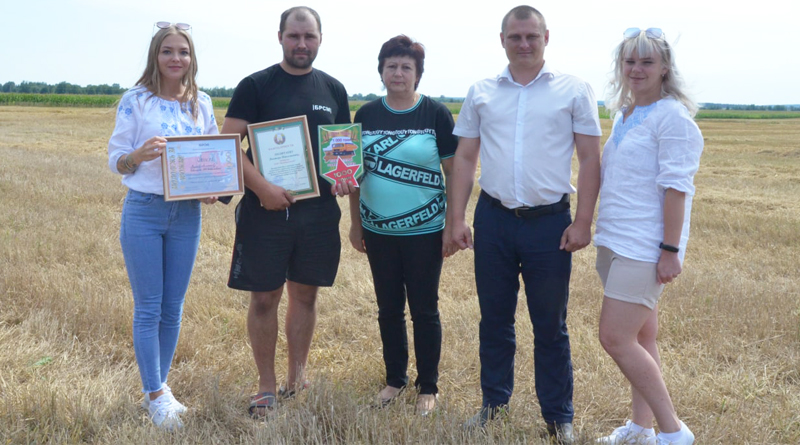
271 248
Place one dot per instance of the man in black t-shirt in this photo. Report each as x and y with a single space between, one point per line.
279 240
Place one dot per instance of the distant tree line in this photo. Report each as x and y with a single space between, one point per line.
711 106
218 91
373 96
60 88
69 88
359 96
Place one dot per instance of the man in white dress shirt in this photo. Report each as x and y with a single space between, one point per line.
525 125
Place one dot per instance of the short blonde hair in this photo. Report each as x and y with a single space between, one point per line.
151 78
672 84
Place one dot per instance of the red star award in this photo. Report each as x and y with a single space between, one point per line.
344 173
341 156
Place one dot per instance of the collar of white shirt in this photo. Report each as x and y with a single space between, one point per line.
506 76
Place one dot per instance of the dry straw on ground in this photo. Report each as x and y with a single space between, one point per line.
730 338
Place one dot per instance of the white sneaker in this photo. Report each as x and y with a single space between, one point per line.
164 413
180 407
686 437
625 435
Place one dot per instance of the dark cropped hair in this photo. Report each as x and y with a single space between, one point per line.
290 11
523 12
403 46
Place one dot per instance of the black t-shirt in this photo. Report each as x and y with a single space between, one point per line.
275 94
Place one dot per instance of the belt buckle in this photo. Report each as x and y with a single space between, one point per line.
517 211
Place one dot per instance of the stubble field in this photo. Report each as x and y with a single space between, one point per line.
730 335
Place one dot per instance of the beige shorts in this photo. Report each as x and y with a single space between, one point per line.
628 280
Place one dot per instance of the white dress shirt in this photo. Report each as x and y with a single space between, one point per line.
661 152
527 134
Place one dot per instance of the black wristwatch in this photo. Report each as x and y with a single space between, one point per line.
668 248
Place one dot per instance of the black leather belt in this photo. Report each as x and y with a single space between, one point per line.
532 212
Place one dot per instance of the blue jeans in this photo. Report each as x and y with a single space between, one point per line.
505 247
159 242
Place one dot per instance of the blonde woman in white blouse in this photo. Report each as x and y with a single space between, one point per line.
648 167
159 239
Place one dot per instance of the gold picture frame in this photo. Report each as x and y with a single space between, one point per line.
202 166
283 154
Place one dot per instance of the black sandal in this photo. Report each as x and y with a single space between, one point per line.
287 394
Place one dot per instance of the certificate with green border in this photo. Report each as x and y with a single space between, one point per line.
341 156
283 154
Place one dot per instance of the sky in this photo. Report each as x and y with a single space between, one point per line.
729 52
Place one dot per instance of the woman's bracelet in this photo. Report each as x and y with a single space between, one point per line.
669 248
128 166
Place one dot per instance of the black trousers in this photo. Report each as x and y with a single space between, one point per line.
408 267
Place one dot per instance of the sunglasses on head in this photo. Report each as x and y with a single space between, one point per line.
165 25
653 33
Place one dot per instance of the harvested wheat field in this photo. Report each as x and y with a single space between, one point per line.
730 336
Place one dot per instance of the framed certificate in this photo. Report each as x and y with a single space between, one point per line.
283 154
340 153
202 166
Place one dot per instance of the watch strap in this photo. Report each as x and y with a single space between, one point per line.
668 248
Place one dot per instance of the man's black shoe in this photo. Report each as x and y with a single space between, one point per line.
561 432
479 421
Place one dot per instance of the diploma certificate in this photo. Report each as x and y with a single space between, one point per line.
282 153
202 166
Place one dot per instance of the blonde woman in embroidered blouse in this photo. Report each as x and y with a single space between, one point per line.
159 239
648 167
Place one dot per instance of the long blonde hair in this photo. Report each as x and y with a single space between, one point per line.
151 78
672 84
